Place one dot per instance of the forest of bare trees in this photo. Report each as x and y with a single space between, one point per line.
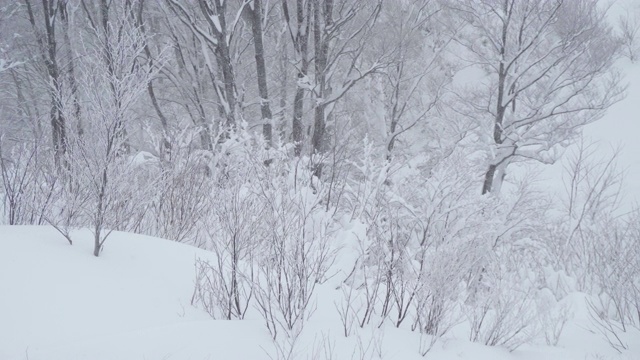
258 129
321 75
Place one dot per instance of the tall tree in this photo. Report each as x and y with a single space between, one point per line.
45 32
340 35
256 16
113 81
106 32
419 70
551 68
299 32
216 36
193 83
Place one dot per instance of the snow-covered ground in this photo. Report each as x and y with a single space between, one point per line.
58 302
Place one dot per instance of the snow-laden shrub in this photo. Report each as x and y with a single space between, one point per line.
504 311
182 199
615 272
505 295
428 243
229 226
27 182
270 233
432 250
595 245
296 250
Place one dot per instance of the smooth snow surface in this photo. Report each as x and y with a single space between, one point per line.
58 302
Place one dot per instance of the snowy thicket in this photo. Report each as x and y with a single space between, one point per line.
364 144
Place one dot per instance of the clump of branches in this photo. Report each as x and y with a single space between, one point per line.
296 252
181 203
27 182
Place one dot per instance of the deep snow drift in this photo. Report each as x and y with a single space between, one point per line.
58 302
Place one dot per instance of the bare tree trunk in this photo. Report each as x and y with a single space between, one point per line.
100 213
73 83
490 176
48 52
265 109
298 107
223 55
322 20
229 84
215 36
284 82
300 38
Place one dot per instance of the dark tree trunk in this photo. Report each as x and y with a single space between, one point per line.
48 53
490 175
300 41
322 20
73 84
263 90
228 93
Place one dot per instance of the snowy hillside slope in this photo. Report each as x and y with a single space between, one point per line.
58 302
